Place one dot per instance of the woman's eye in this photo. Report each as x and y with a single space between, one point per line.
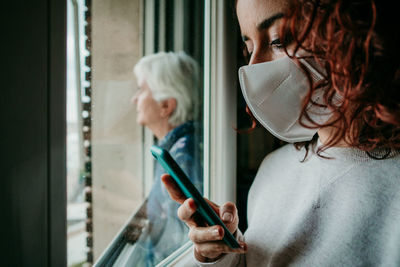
276 44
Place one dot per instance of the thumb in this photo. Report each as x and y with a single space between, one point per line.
229 215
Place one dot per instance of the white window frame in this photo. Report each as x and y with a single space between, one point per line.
220 100
148 26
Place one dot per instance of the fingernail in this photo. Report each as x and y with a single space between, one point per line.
216 232
243 246
191 204
227 217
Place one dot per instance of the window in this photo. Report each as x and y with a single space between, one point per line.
35 165
110 170
115 154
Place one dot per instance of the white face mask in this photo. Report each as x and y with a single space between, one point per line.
274 92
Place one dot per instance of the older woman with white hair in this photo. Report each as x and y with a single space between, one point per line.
167 103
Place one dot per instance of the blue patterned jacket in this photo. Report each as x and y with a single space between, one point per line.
168 233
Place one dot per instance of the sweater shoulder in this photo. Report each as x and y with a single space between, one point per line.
372 177
281 157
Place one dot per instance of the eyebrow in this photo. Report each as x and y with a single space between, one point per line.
265 24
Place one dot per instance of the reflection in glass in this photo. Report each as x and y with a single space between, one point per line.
166 103
115 38
130 220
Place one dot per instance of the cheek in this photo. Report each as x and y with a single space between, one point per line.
149 108
142 103
278 54
153 108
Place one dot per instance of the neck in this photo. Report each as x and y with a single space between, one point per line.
325 134
161 129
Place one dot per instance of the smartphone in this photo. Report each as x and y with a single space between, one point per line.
190 191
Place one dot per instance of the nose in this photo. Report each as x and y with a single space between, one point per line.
260 55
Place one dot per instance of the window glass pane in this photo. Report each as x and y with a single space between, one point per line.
125 215
116 141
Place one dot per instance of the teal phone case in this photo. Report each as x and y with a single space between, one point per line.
190 191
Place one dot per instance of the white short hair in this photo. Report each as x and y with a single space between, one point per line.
172 75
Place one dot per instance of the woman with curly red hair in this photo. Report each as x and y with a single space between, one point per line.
323 75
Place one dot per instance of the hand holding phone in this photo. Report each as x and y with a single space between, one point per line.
190 191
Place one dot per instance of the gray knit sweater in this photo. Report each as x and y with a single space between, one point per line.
322 212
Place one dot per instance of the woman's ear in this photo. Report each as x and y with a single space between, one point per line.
168 106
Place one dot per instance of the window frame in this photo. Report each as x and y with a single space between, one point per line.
221 102
219 113
34 119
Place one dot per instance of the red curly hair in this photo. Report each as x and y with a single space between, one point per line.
354 41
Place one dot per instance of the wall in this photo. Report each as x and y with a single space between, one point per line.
116 138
